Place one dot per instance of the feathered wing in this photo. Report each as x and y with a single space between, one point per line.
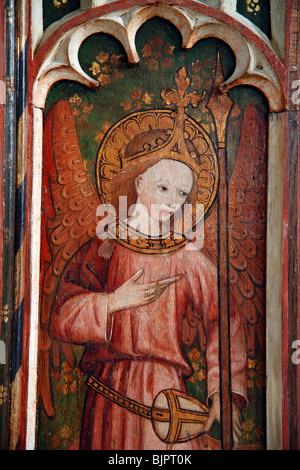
246 232
68 222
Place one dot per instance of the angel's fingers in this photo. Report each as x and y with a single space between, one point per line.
149 292
162 290
238 429
162 283
237 433
136 276
236 439
153 292
150 299
209 424
239 426
166 282
157 291
238 420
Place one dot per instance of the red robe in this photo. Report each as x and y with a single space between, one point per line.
139 352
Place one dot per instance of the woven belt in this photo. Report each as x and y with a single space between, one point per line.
147 412
175 416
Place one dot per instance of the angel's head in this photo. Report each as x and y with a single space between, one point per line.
154 193
160 185
163 188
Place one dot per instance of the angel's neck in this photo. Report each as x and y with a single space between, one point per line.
141 221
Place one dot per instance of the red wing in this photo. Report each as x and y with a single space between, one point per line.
246 227
68 221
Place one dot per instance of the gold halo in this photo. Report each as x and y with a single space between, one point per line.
111 159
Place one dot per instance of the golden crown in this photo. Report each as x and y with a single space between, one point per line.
175 143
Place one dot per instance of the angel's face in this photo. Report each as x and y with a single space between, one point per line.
164 188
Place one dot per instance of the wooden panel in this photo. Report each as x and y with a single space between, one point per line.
128 93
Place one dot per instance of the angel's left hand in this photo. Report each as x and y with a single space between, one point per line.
215 415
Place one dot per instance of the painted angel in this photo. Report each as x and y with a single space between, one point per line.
131 295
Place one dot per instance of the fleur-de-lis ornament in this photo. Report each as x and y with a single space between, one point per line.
179 97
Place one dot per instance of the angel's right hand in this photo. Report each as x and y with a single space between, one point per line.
131 294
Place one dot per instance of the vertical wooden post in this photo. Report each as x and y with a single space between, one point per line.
220 106
8 221
2 141
19 244
291 319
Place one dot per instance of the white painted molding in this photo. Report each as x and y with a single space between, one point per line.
278 27
274 281
252 66
206 27
87 4
218 4
2 92
35 239
36 24
229 6
178 17
62 62
278 18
